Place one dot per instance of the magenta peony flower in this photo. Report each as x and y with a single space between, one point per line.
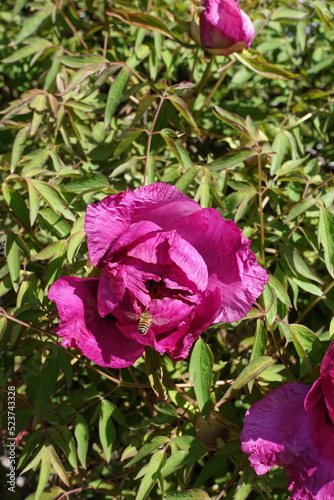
293 427
158 252
222 27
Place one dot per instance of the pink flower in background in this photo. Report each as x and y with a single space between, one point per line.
158 252
222 27
293 427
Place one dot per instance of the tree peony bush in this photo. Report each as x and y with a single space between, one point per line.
159 254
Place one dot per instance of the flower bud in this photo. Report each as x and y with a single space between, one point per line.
221 27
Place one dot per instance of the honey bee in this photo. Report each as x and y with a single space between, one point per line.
145 321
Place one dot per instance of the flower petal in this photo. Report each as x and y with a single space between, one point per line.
223 24
328 360
232 266
82 327
105 222
112 217
278 431
162 203
182 262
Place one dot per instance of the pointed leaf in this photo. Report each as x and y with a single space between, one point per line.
251 371
200 374
116 94
326 237
152 474
18 147
47 382
107 431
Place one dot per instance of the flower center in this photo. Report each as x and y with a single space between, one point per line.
156 289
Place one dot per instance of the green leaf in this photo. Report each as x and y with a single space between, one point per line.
39 104
279 290
144 104
13 259
90 182
88 61
62 437
47 382
32 23
245 484
81 433
260 340
326 237
256 62
116 94
306 343
281 146
286 13
298 265
270 304
300 208
52 197
18 147
51 250
65 366
233 120
102 78
33 202
307 286
57 465
126 138
153 368
55 266
3 325
181 106
200 375
107 431
152 474
232 159
176 147
251 371
142 21
190 450
147 449
186 179
331 330
203 192
188 494
44 472
16 203
74 244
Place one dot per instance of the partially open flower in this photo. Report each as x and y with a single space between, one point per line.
221 27
165 263
293 427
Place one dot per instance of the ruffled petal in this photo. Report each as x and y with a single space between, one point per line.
105 222
183 263
134 233
121 286
232 266
108 220
278 431
82 327
178 341
327 364
162 204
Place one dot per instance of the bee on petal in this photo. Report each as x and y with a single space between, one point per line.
145 320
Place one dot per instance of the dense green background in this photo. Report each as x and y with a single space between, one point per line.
98 96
